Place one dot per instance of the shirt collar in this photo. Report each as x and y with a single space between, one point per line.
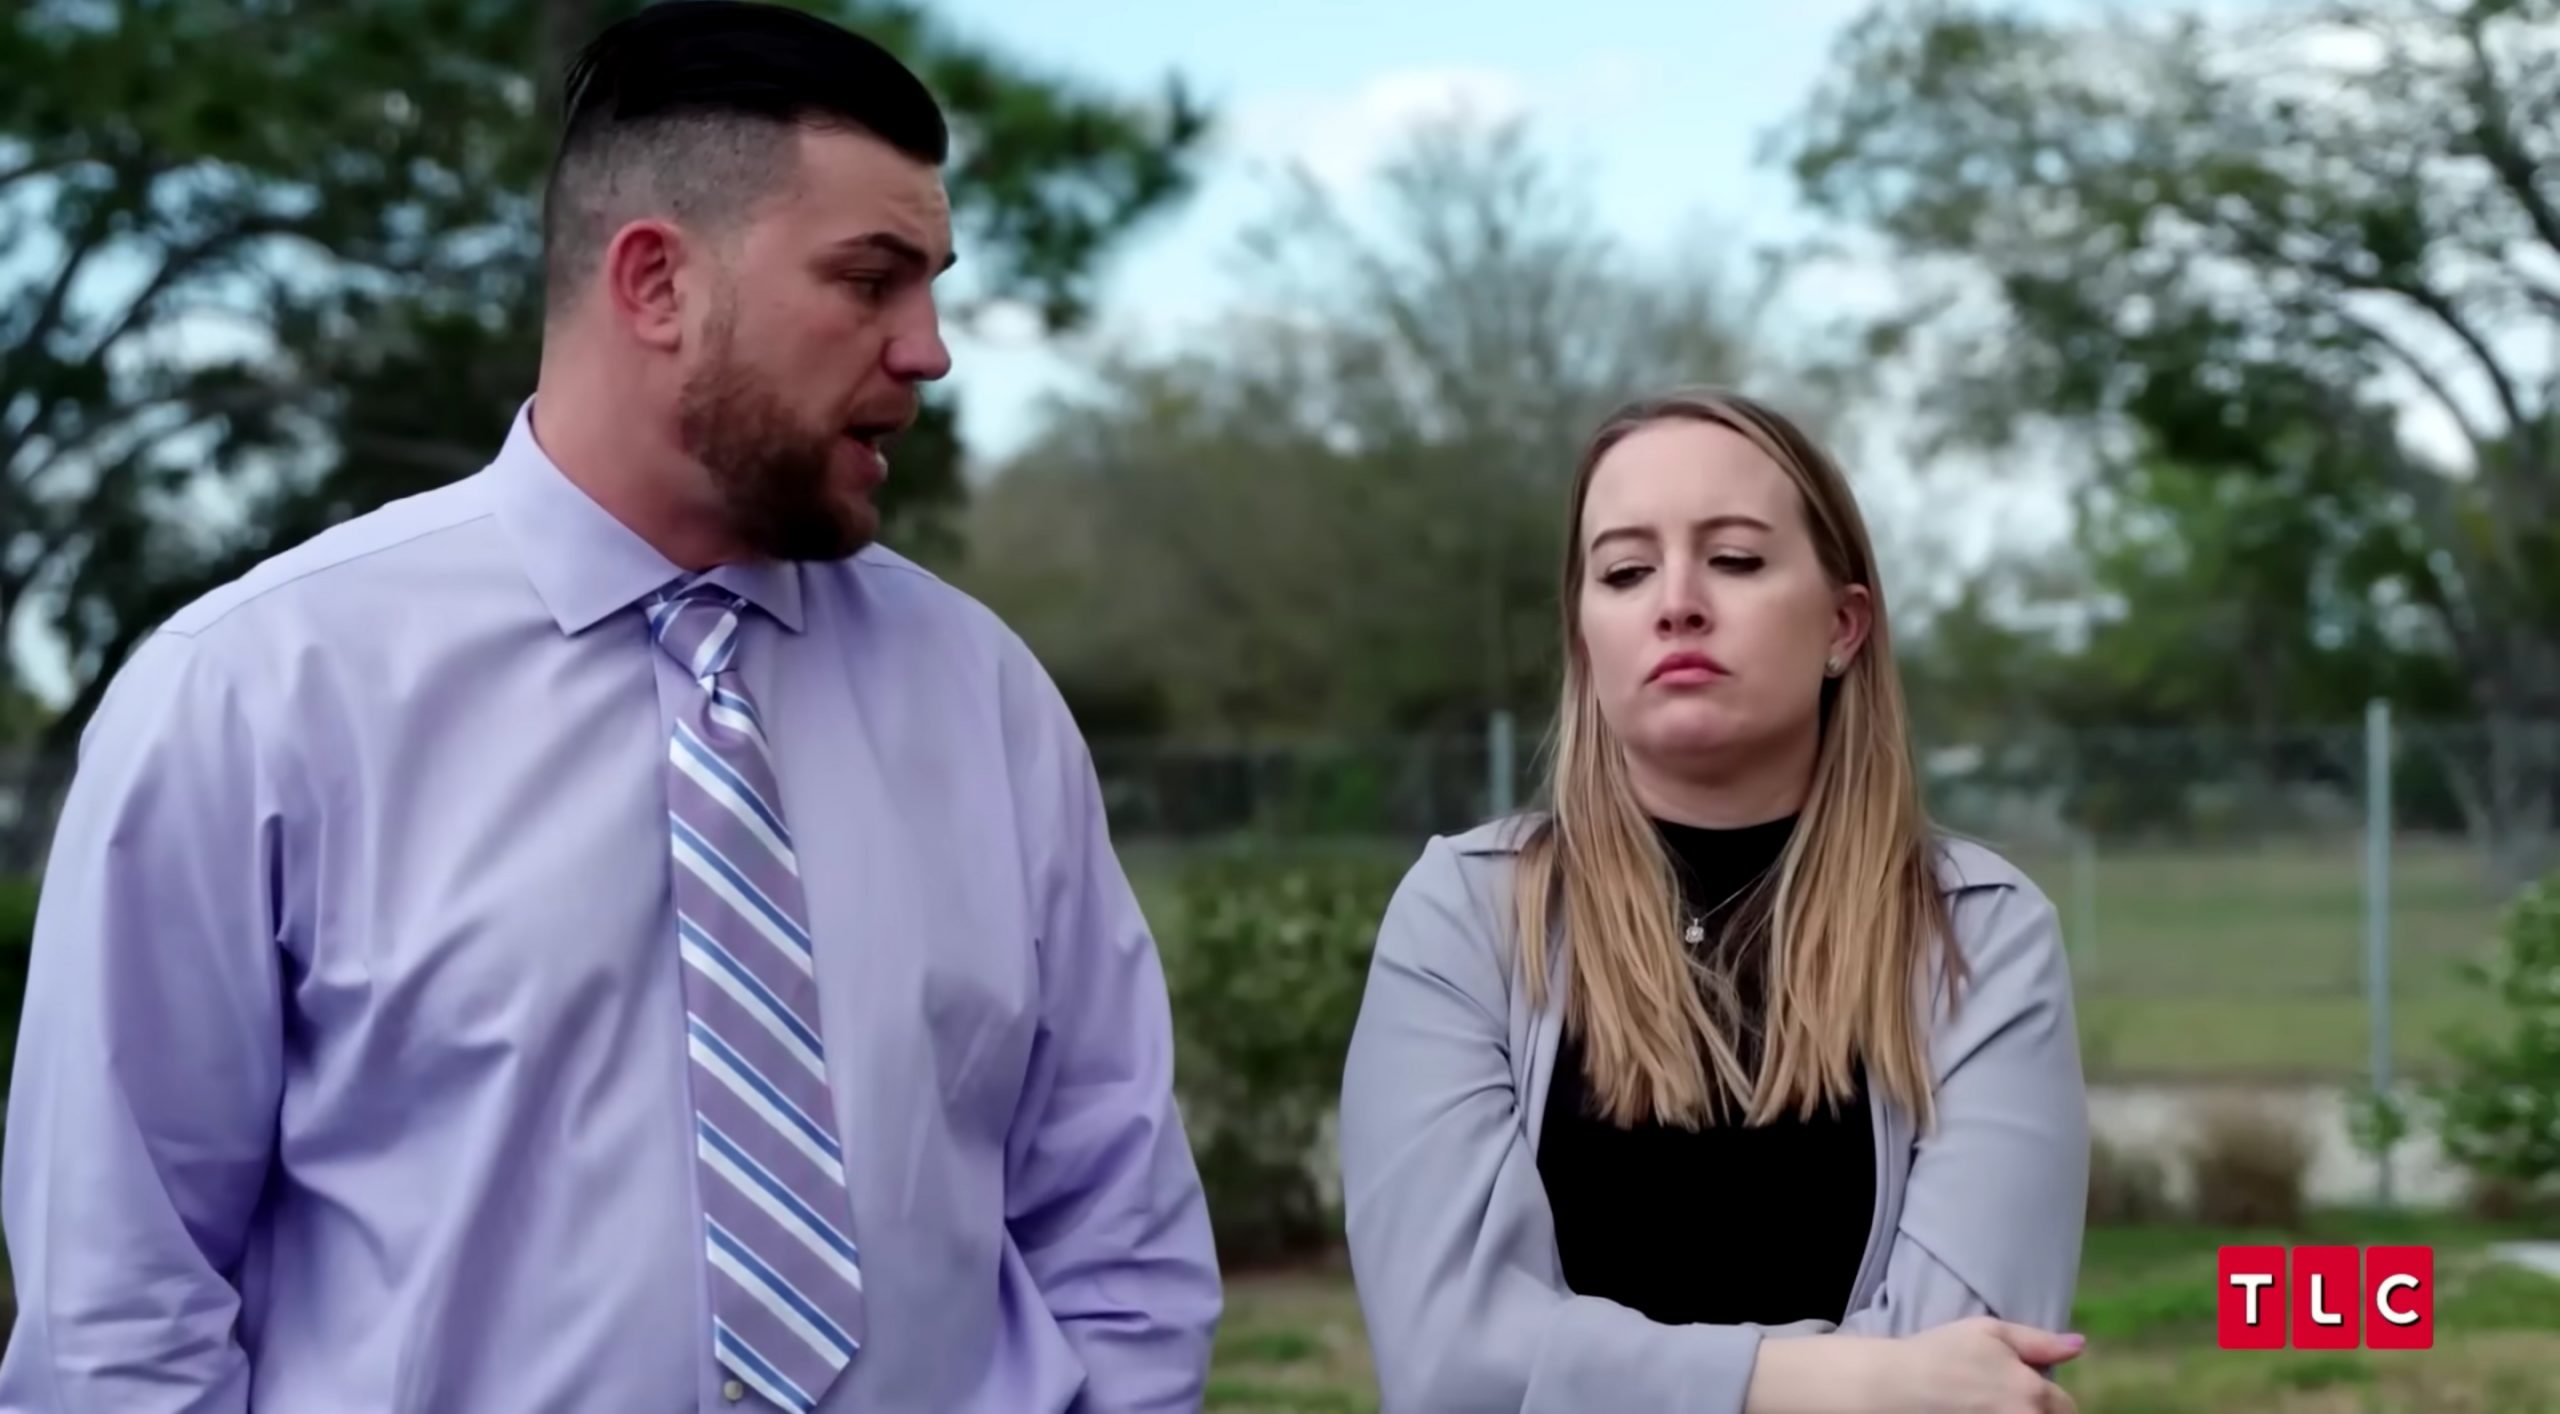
587 565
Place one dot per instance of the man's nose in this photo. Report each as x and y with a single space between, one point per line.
917 354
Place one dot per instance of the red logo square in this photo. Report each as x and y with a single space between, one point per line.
2326 1298
2250 1312
2400 1298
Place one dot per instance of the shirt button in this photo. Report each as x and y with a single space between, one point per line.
733 1391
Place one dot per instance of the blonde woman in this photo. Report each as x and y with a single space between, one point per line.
1723 1083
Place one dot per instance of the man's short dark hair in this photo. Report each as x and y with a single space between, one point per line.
689 109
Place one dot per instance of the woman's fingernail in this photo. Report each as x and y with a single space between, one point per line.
2075 1341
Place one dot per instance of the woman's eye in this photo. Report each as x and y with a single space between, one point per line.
1623 576
1736 564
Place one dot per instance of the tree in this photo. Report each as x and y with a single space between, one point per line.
284 265
1343 513
2254 250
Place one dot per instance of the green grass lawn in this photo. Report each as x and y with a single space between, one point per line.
1294 1342
2197 963
2193 963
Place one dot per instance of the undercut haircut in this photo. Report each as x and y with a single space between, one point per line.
690 110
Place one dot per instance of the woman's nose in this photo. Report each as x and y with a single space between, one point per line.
1683 610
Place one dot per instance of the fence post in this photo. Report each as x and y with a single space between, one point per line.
2377 912
2084 897
1500 779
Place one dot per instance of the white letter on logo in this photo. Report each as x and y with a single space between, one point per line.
2319 1315
2382 1300
2251 1281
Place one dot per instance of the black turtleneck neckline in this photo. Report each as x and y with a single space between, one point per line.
1727 1223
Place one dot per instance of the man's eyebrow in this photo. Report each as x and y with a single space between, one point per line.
898 248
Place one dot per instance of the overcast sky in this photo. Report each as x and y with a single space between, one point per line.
1664 100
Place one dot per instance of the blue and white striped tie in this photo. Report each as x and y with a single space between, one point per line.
785 1277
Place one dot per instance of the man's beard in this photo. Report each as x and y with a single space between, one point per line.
771 473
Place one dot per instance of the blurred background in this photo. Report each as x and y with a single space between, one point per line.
2199 367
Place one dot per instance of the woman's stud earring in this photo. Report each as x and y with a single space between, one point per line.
1831 667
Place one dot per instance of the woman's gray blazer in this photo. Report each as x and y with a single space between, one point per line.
1452 1243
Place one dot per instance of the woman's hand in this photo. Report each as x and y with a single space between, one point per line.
1973 1366
1978 1366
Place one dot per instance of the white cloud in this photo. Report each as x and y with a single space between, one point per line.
1341 137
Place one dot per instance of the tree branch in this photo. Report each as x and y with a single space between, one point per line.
2433 381
48 313
99 429
2432 300
35 167
201 409
176 265
2417 292
2499 144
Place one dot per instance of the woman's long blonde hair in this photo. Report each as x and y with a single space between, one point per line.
1857 905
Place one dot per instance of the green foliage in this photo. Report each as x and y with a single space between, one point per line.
2214 260
2497 1110
2377 1120
1266 959
17 943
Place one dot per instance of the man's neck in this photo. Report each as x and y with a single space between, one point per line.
627 465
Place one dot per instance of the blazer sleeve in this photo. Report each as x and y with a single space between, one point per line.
1997 1199
1451 1242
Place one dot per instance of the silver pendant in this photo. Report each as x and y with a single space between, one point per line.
1697 932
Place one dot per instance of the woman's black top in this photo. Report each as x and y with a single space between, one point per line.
1726 1223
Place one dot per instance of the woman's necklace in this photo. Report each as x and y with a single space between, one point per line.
1696 932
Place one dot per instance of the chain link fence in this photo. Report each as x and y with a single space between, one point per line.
2237 903
2224 893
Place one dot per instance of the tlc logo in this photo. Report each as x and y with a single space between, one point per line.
2321 1301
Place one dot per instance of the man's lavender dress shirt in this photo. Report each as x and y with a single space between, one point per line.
352 1075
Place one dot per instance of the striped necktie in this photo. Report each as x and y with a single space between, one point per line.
785 1278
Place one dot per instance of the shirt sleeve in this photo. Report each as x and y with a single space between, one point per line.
1993 1216
1106 1205
1452 1243
142 1105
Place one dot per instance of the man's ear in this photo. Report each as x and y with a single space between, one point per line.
640 269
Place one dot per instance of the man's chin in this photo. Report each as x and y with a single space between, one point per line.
857 521
843 527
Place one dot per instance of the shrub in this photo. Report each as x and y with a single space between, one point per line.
2497 1108
17 942
2126 1185
2252 1164
1266 957
2376 1121
17 918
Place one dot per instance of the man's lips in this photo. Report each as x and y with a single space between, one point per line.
875 435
